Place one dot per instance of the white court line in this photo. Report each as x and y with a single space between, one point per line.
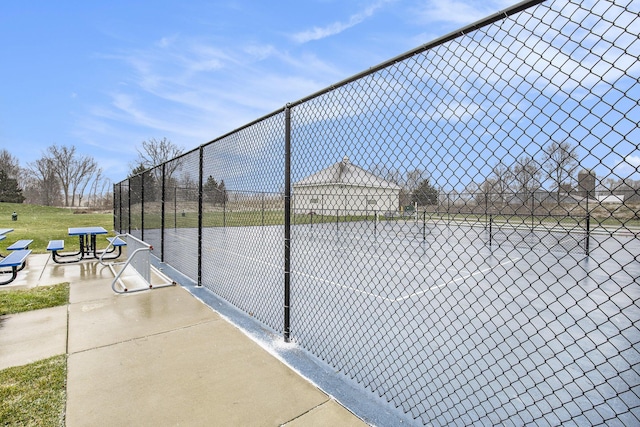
306 275
567 240
394 259
502 264
214 250
342 286
351 288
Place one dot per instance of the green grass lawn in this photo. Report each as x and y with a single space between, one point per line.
19 300
34 394
44 223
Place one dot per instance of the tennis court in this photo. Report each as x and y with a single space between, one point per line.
469 304
441 314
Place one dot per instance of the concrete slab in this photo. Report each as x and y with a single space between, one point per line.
330 413
100 322
207 374
74 272
89 290
158 357
33 335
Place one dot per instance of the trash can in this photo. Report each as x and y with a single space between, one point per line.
14 216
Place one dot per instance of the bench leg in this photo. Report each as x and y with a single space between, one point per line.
14 273
22 266
56 258
117 255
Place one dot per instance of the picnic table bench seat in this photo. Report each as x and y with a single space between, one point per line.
55 245
117 241
17 261
19 245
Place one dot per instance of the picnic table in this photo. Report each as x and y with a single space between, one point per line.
88 246
87 238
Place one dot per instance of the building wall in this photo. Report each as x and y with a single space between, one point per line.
347 199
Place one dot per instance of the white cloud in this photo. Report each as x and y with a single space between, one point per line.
317 33
633 161
260 52
629 167
460 12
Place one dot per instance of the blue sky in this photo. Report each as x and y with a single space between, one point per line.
104 76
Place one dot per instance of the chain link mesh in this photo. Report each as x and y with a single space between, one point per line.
244 210
181 209
465 222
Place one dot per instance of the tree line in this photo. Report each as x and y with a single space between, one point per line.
554 171
63 177
60 177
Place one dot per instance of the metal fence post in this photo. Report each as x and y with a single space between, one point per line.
287 222
162 213
117 207
129 205
142 206
588 228
200 217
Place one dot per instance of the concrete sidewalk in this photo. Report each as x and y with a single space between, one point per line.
158 357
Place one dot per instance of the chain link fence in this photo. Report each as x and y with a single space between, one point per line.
458 229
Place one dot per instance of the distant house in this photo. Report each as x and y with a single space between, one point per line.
347 189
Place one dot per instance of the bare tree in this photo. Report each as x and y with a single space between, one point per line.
84 169
526 173
560 162
502 178
413 179
42 186
62 163
73 173
99 182
387 173
156 152
486 193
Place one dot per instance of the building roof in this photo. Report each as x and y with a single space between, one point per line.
346 173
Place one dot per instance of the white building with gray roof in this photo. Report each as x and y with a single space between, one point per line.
346 189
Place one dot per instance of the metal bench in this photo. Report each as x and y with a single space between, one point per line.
17 261
54 246
19 245
138 261
116 241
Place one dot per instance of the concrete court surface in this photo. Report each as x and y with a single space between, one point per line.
158 357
